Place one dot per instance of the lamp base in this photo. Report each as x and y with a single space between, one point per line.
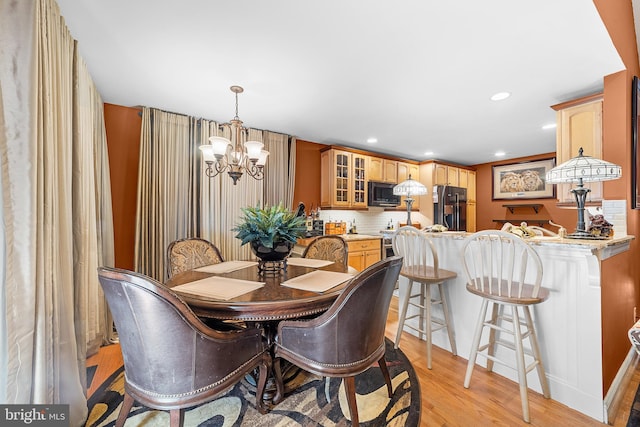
584 235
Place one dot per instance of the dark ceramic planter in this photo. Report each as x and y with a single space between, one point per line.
277 253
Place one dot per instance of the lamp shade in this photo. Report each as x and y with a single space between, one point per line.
587 168
253 149
409 188
219 145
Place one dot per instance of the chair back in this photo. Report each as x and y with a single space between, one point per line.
328 248
349 336
170 356
503 266
415 247
188 254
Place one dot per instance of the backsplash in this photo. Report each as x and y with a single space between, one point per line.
373 220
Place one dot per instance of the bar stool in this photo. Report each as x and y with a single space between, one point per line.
420 264
497 264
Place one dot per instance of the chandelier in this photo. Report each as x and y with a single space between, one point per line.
235 157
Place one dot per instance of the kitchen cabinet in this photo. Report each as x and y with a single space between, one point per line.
446 175
453 176
471 217
364 253
439 174
579 125
406 170
463 178
344 178
383 170
471 186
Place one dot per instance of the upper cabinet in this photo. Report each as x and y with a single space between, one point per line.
471 186
446 175
383 170
344 179
579 125
406 170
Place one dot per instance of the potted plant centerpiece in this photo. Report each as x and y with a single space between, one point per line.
271 231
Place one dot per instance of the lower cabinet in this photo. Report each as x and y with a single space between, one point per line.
363 253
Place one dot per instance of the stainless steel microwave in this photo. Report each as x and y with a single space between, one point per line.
381 194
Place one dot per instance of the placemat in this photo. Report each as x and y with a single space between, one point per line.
308 262
219 287
318 280
226 267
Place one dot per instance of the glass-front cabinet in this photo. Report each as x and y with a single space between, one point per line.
344 179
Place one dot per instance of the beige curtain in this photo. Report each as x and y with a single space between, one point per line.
165 209
51 172
281 173
92 216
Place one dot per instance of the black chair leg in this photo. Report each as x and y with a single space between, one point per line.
385 373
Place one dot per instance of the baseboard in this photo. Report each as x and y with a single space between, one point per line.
614 396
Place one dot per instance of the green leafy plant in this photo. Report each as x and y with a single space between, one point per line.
270 225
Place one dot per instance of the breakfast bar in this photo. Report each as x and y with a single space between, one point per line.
568 324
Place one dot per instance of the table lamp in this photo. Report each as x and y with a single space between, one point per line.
582 169
409 188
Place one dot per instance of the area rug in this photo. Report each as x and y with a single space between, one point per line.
634 415
312 401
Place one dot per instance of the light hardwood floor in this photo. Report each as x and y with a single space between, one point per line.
491 399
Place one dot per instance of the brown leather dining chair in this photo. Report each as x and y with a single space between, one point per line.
172 360
190 253
346 339
328 248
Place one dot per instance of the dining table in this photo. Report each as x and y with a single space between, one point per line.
269 303
238 291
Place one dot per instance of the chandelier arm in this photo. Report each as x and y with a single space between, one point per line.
255 171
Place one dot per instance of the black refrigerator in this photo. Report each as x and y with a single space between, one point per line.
450 207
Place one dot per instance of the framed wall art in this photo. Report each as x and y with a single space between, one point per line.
524 180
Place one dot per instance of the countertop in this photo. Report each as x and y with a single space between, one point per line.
346 237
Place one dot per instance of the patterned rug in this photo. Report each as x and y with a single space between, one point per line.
312 401
634 415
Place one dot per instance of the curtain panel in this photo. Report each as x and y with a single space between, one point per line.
57 220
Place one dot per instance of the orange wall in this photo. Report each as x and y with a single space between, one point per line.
123 141
621 274
488 209
307 187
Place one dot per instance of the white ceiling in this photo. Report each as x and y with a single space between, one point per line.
415 74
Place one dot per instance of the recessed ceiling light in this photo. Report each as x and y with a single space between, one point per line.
500 96
428 153
549 126
500 153
372 140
